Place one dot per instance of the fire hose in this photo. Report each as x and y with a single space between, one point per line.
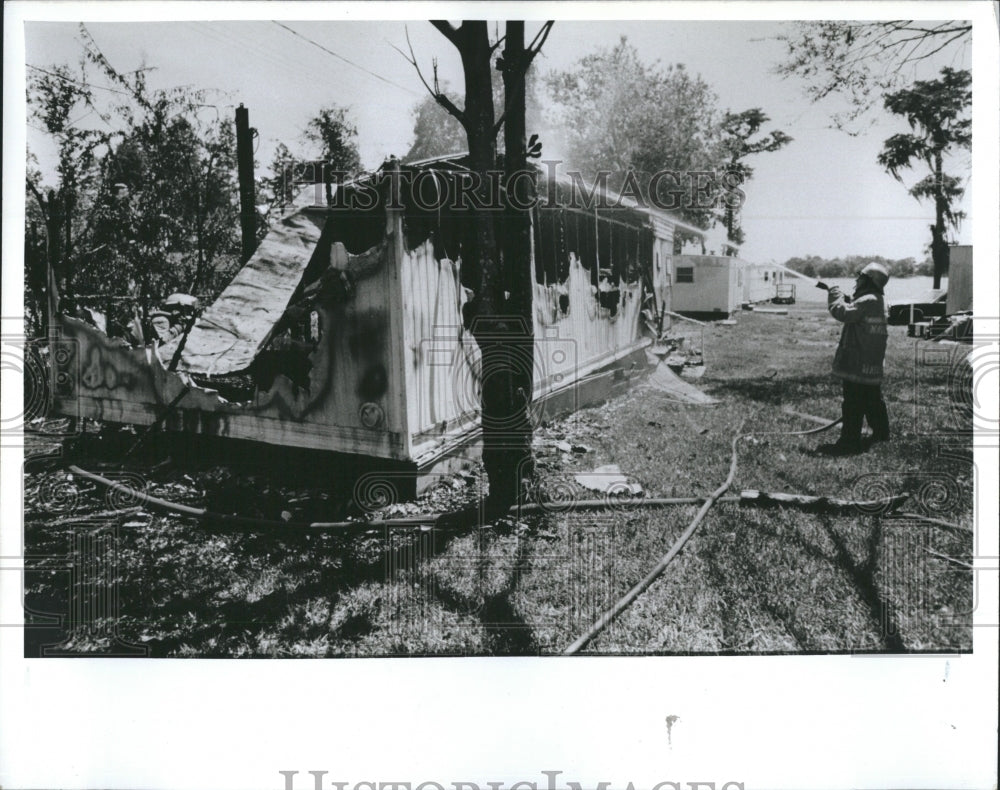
625 601
236 521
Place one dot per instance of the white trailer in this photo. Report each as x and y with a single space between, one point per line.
760 282
707 286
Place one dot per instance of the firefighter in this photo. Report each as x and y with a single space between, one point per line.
859 357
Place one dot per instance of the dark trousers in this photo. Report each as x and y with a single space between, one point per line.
863 402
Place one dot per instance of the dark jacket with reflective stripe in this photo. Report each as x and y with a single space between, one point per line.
862 342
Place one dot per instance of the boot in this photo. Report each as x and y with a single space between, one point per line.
849 442
880 430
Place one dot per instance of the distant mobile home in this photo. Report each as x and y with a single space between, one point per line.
760 282
707 286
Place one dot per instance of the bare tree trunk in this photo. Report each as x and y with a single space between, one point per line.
512 460
490 324
939 247
502 307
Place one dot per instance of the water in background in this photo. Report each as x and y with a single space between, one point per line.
899 290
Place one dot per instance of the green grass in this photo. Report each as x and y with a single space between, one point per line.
751 580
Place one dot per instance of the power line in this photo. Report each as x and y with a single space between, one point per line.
77 82
345 60
228 39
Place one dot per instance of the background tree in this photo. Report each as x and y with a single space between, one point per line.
862 60
333 132
57 214
330 146
738 130
333 136
813 265
936 112
618 114
436 132
144 203
278 188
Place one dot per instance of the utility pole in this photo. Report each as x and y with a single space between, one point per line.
244 166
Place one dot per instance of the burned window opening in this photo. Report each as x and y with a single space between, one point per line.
608 292
551 255
233 387
285 356
358 231
581 238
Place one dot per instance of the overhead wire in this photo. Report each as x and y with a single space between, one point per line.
76 82
229 38
346 60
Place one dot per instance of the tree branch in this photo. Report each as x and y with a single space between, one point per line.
436 94
449 31
529 55
38 198
537 43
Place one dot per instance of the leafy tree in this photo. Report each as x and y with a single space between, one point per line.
57 215
332 130
861 60
280 185
815 266
738 129
167 213
144 205
435 131
936 113
620 114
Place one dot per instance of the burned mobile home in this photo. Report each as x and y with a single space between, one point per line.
346 330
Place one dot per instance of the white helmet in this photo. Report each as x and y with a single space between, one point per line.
877 273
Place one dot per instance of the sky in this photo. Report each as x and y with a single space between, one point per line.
823 194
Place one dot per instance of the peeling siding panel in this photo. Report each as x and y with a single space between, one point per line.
441 359
230 332
351 379
585 337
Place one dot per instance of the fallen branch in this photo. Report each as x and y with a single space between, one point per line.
451 521
822 503
227 519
